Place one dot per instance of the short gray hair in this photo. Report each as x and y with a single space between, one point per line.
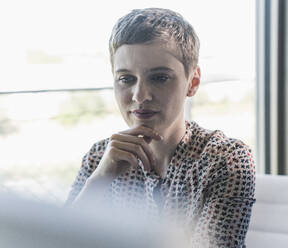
150 24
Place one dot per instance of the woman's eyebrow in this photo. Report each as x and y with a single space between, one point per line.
122 70
160 68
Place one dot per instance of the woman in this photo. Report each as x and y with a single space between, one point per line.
164 165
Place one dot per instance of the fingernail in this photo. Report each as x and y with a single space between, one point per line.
159 135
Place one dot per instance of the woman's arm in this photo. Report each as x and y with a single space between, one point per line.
89 164
108 159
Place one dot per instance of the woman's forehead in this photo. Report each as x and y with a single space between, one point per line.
152 55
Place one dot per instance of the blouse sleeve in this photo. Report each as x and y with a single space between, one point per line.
229 198
89 164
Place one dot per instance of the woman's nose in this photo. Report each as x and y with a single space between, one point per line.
141 92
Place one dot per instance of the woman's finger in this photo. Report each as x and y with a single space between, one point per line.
122 155
136 149
144 131
139 141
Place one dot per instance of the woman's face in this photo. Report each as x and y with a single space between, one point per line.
150 85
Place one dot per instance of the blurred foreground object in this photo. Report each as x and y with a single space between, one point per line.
29 224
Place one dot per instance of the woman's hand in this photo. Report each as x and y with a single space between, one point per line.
123 151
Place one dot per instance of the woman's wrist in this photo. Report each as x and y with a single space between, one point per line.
98 180
94 189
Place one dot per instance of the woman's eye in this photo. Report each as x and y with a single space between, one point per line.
126 79
160 78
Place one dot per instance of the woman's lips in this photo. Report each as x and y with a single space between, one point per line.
144 114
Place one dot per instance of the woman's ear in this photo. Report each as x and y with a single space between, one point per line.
194 82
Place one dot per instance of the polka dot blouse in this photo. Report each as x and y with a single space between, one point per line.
210 183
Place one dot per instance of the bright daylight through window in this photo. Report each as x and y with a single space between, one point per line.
63 45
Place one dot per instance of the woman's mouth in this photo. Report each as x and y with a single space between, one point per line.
144 114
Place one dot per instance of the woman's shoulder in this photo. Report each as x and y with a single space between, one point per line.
217 142
224 159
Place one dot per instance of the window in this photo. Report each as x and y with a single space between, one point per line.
53 105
